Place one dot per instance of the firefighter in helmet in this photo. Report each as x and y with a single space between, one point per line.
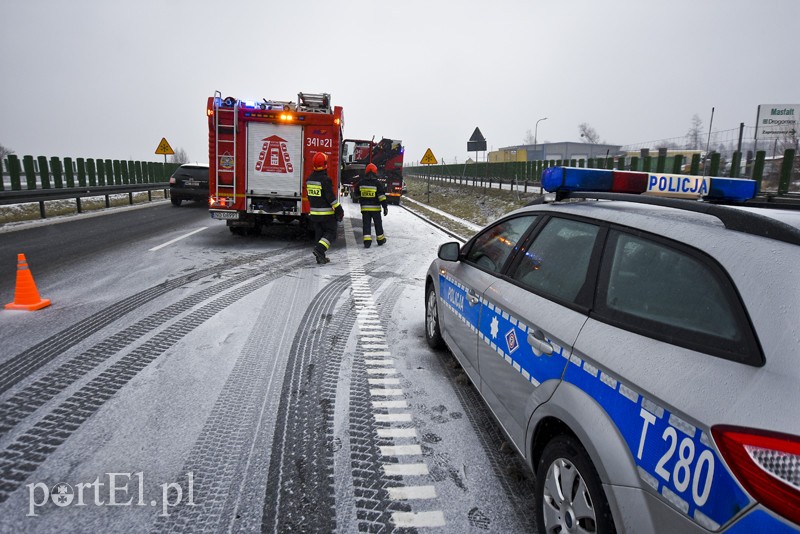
372 196
325 208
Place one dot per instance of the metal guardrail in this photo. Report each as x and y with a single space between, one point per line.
43 195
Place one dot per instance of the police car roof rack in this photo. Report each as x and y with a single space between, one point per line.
733 219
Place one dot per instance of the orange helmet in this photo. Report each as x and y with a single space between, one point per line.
371 168
320 161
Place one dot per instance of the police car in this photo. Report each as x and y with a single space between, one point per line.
641 352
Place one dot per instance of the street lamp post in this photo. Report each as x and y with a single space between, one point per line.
536 130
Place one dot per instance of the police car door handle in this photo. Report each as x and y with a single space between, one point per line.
472 298
539 343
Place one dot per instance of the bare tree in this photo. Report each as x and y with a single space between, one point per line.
180 156
588 133
694 137
4 151
528 139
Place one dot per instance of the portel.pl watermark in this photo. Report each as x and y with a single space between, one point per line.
116 489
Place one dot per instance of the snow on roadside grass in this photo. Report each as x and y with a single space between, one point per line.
53 208
477 205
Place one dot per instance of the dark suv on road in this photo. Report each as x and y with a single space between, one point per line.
189 182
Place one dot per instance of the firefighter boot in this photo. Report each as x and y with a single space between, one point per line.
319 254
381 240
367 242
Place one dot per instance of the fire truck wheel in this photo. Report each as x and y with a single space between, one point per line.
175 201
236 230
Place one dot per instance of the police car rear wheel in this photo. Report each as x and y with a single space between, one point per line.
432 333
569 495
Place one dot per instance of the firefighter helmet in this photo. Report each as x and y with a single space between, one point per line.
320 161
371 168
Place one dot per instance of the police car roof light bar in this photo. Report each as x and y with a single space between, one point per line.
566 179
662 190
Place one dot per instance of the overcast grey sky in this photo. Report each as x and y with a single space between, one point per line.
110 78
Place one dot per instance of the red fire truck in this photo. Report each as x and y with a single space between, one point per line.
260 155
387 155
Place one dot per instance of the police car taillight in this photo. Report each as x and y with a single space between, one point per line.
566 179
766 464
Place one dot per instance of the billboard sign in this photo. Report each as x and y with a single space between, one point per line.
777 121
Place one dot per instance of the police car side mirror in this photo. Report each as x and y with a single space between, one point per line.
449 251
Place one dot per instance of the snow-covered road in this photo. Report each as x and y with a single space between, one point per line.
202 381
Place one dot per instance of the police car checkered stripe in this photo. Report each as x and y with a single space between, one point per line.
673 456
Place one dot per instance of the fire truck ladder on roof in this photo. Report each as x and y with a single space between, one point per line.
315 103
230 114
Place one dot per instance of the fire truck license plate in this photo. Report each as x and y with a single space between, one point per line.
224 215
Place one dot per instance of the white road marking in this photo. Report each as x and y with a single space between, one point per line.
382 371
377 353
393 417
418 519
397 432
390 404
168 243
412 492
405 469
401 450
378 361
383 392
383 381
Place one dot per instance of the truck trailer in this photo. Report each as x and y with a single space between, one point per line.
387 155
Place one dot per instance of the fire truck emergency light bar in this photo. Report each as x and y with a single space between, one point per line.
714 188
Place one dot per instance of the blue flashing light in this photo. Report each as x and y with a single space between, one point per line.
576 179
732 189
565 179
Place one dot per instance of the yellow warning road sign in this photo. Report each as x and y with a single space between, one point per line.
428 158
164 148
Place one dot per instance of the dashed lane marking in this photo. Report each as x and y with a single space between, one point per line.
393 417
390 404
378 361
418 519
401 450
397 432
382 392
410 470
412 492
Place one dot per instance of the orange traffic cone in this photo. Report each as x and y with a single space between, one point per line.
26 296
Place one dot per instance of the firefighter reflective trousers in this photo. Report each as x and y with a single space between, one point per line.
366 218
324 232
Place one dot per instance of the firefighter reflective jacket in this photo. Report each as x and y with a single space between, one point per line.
371 193
321 199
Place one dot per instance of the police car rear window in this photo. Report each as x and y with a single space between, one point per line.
670 294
